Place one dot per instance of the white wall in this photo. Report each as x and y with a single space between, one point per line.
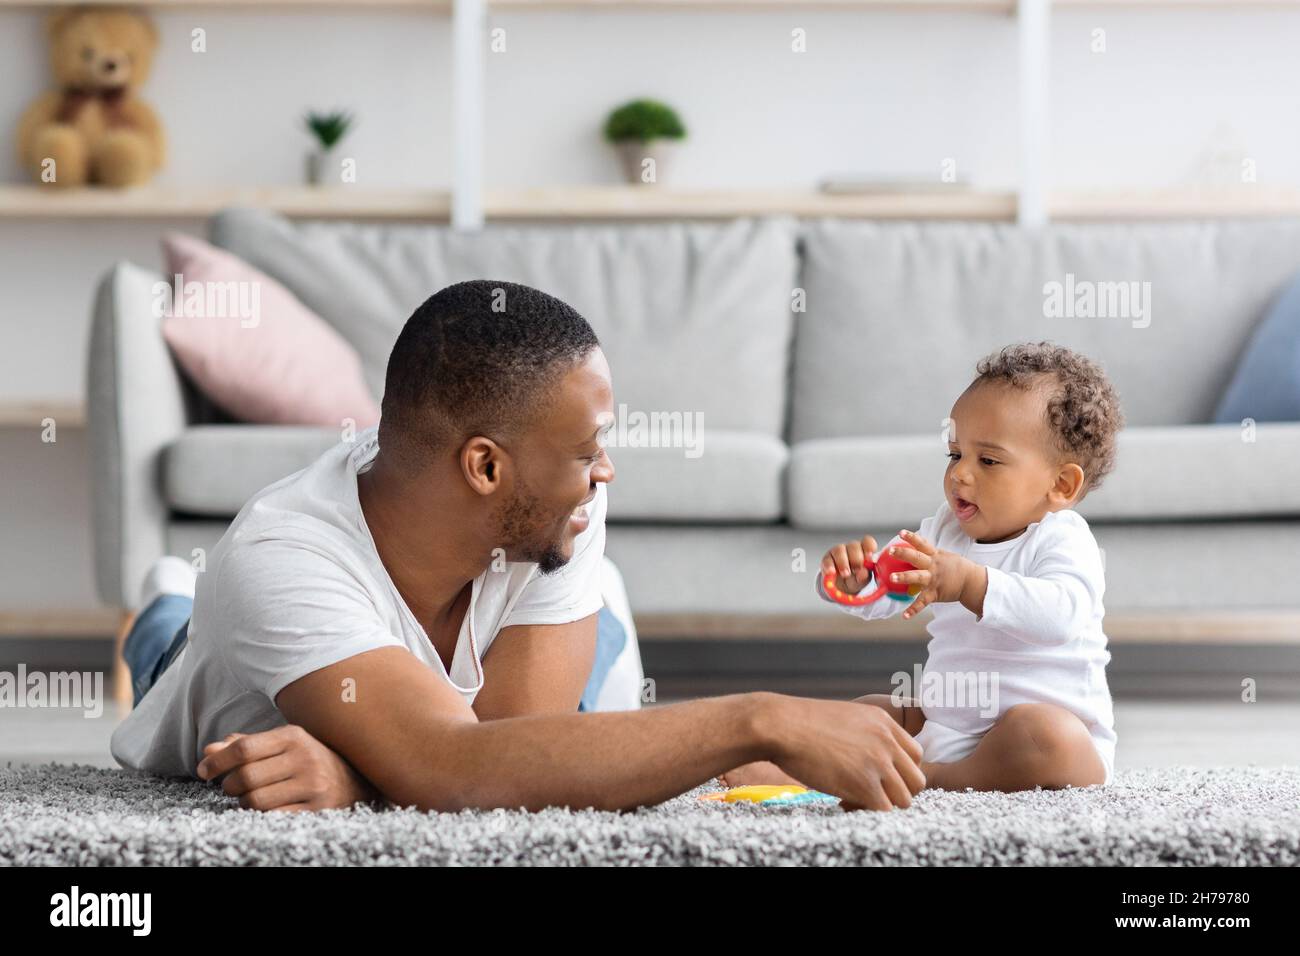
875 93
1172 85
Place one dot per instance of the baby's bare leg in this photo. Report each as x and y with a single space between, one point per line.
908 713
756 773
909 717
1032 745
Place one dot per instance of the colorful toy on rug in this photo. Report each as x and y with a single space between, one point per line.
882 571
773 794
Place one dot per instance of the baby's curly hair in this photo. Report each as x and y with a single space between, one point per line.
1082 406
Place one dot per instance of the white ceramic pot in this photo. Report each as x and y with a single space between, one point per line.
645 162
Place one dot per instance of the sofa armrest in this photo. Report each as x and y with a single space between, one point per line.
135 404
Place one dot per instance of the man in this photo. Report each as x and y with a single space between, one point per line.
414 617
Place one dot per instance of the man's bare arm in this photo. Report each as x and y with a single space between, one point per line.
537 669
530 669
420 744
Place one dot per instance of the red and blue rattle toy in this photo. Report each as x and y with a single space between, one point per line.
883 569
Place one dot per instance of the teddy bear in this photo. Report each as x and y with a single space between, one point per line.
92 128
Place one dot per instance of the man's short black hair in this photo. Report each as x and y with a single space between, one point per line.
477 358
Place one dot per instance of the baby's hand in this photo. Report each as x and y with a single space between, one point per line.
848 563
941 575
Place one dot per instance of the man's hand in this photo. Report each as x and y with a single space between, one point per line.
941 575
859 754
283 769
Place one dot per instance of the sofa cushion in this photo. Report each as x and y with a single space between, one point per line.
889 481
1164 567
675 306
898 314
1266 385
1186 472
737 476
1201 471
211 470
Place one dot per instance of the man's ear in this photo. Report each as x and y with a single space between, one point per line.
1068 486
484 464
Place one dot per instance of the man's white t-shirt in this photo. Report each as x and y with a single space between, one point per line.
296 585
1041 633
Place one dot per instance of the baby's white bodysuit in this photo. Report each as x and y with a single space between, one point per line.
1040 638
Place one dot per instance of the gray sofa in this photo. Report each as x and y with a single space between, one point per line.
822 356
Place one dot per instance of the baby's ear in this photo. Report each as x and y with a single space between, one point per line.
1069 486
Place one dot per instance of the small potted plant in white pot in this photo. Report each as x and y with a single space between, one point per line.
644 132
327 129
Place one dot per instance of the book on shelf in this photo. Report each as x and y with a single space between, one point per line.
849 185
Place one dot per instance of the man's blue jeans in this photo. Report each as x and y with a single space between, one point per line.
156 639
160 634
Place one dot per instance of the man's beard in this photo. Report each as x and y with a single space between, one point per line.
519 523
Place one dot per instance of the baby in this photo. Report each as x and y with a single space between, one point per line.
1017 656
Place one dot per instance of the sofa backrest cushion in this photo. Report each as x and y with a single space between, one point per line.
693 317
899 314
1266 384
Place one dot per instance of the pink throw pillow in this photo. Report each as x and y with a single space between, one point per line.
253 348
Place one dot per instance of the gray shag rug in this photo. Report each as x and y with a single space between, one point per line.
57 814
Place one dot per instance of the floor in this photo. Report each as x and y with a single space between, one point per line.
1151 734
1238 817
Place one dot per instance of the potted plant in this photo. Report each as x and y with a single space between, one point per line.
327 129
644 130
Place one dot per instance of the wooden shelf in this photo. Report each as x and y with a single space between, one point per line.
444 6
548 203
101 622
167 202
1175 4
923 6
1279 628
1233 202
640 202
656 202
1122 627
31 414
441 6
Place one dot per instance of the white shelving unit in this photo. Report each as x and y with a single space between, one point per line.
468 202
